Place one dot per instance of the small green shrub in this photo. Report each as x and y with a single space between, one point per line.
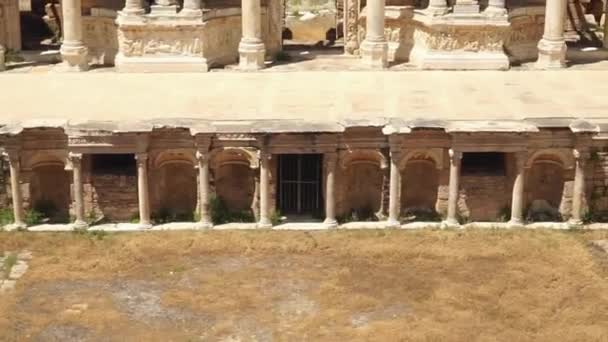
6 216
34 217
166 215
276 218
220 213
504 214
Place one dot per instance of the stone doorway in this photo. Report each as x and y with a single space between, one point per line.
299 186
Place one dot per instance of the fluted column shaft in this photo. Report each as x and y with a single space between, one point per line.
142 189
454 187
394 207
203 183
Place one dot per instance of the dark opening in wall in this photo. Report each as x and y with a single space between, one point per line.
483 163
116 164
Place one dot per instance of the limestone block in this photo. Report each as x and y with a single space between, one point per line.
100 35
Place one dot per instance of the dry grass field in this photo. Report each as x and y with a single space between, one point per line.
470 285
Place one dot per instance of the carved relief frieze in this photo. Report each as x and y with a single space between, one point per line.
461 38
352 36
147 41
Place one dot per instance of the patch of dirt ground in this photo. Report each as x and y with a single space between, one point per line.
389 285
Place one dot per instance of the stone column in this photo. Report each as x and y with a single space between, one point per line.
264 190
251 47
330 160
374 48
73 51
496 8
552 47
517 199
192 8
76 162
436 7
15 170
578 191
454 187
133 8
394 206
142 189
203 183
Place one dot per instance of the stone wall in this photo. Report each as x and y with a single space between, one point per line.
50 187
234 183
109 196
358 189
597 182
484 196
419 185
173 190
100 37
4 184
527 26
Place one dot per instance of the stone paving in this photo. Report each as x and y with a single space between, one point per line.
311 97
17 264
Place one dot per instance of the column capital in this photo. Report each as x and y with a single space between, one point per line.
12 156
581 155
141 156
455 155
73 160
202 156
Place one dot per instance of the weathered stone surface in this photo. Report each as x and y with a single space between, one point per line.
18 270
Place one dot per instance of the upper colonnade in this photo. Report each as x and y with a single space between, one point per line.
373 48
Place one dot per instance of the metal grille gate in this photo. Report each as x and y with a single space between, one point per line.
300 184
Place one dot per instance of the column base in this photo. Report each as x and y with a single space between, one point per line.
392 223
330 223
191 13
251 55
551 54
433 11
513 223
450 224
80 225
74 56
264 224
145 225
15 226
204 225
575 223
374 54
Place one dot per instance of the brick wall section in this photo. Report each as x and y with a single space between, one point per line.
597 182
484 196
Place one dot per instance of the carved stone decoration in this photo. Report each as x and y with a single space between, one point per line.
351 28
462 38
178 42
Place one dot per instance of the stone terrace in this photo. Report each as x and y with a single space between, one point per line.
326 97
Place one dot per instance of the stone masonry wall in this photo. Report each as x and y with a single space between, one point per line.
597 182
484 196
